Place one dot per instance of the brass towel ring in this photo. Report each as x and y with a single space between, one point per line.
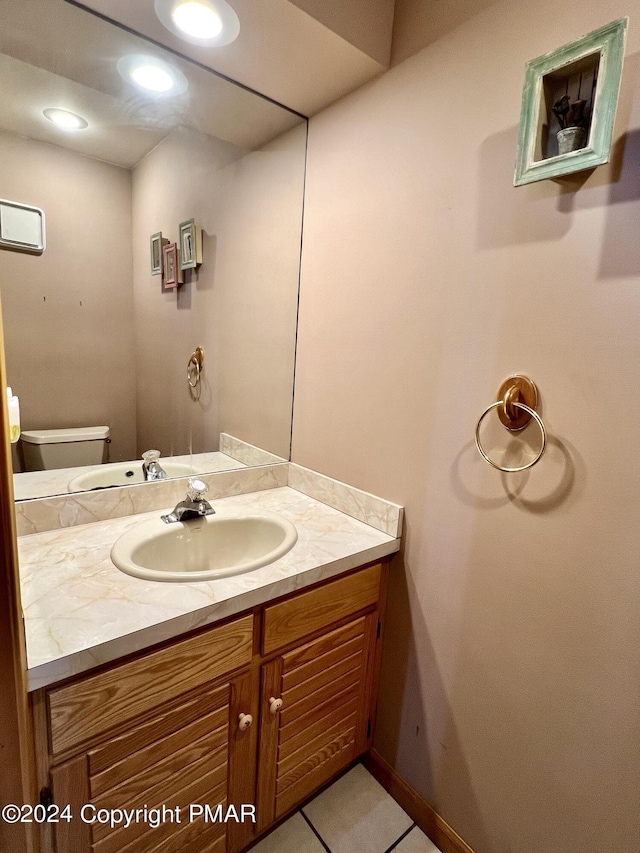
195 367
509 396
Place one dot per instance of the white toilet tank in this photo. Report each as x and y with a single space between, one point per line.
45 449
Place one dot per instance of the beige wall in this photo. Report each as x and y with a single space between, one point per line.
417 24
366 24
511 678
68 312
241 303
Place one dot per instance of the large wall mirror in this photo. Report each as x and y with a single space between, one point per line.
94 336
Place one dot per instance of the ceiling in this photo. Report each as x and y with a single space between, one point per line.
304 54
53 54
301 53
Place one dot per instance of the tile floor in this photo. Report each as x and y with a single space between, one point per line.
354 815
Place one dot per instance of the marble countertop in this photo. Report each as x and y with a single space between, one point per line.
81 611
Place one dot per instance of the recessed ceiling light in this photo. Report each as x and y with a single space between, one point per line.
152 75
211 23
197 19
65 119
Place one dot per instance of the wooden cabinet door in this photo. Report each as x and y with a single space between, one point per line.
323 723
191 752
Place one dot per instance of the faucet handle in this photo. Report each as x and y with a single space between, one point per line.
151 467
197 488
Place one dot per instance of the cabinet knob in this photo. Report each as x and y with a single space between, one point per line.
245 721
275 705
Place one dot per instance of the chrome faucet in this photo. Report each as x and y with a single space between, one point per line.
151 468
193 506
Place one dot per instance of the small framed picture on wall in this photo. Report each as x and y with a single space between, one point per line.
569 105
190 241
156 244
171 267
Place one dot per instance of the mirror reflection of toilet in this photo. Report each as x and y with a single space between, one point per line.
45 449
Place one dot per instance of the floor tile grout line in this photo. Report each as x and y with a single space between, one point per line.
398 840
315 832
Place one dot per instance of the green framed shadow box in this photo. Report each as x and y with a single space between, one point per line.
569 104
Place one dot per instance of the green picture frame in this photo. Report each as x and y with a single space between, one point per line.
586 72
190 243
156 244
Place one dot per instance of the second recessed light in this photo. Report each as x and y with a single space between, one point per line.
65 119
211 23
197 20
152 75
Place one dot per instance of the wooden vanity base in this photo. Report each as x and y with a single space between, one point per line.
247 718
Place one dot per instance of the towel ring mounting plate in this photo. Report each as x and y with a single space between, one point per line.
516 389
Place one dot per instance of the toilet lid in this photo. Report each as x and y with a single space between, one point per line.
59 436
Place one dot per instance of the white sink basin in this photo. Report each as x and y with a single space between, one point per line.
230 542
123 474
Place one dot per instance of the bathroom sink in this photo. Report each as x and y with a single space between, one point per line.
123 474
230 542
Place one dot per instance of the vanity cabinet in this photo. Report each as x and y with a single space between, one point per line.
316 713
162 729
179 756
262 710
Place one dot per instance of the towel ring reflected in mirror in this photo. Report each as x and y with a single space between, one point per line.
195 367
